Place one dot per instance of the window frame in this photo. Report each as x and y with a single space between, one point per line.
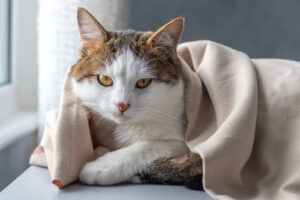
18 94
7 89
8 44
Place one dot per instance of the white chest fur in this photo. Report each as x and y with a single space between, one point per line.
161 129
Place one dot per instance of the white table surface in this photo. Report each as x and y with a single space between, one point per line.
35 183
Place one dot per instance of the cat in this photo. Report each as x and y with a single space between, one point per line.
132 79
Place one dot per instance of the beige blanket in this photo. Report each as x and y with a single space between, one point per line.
243 119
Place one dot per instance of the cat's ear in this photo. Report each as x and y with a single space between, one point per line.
169 35
90 29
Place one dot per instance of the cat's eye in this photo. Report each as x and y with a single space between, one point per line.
143 83
105 80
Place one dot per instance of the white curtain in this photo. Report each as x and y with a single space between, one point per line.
58 42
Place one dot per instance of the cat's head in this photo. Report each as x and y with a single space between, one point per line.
128 76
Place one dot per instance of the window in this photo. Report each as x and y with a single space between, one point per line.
18 56
4 41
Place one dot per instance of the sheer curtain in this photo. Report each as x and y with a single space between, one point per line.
58 42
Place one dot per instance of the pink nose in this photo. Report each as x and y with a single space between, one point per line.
123 107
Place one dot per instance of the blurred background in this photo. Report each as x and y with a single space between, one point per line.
39 41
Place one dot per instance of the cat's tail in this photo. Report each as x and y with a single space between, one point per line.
194 183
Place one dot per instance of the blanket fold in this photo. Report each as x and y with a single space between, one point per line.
243 119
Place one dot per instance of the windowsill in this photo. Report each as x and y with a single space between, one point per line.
16 126
35 183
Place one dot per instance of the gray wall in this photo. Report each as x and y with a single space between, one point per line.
269 28
14 159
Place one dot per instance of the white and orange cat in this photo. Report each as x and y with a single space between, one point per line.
132 79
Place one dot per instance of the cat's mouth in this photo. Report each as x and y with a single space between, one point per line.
121 117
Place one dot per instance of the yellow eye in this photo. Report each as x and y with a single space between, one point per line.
105 80
142 83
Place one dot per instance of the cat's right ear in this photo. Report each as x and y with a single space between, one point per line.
90 29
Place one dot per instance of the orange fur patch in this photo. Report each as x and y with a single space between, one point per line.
161 60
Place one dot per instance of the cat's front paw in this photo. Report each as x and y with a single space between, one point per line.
103 171
89 173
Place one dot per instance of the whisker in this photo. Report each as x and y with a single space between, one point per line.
167 115
160 121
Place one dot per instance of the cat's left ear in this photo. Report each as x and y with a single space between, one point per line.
169 35
90 29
